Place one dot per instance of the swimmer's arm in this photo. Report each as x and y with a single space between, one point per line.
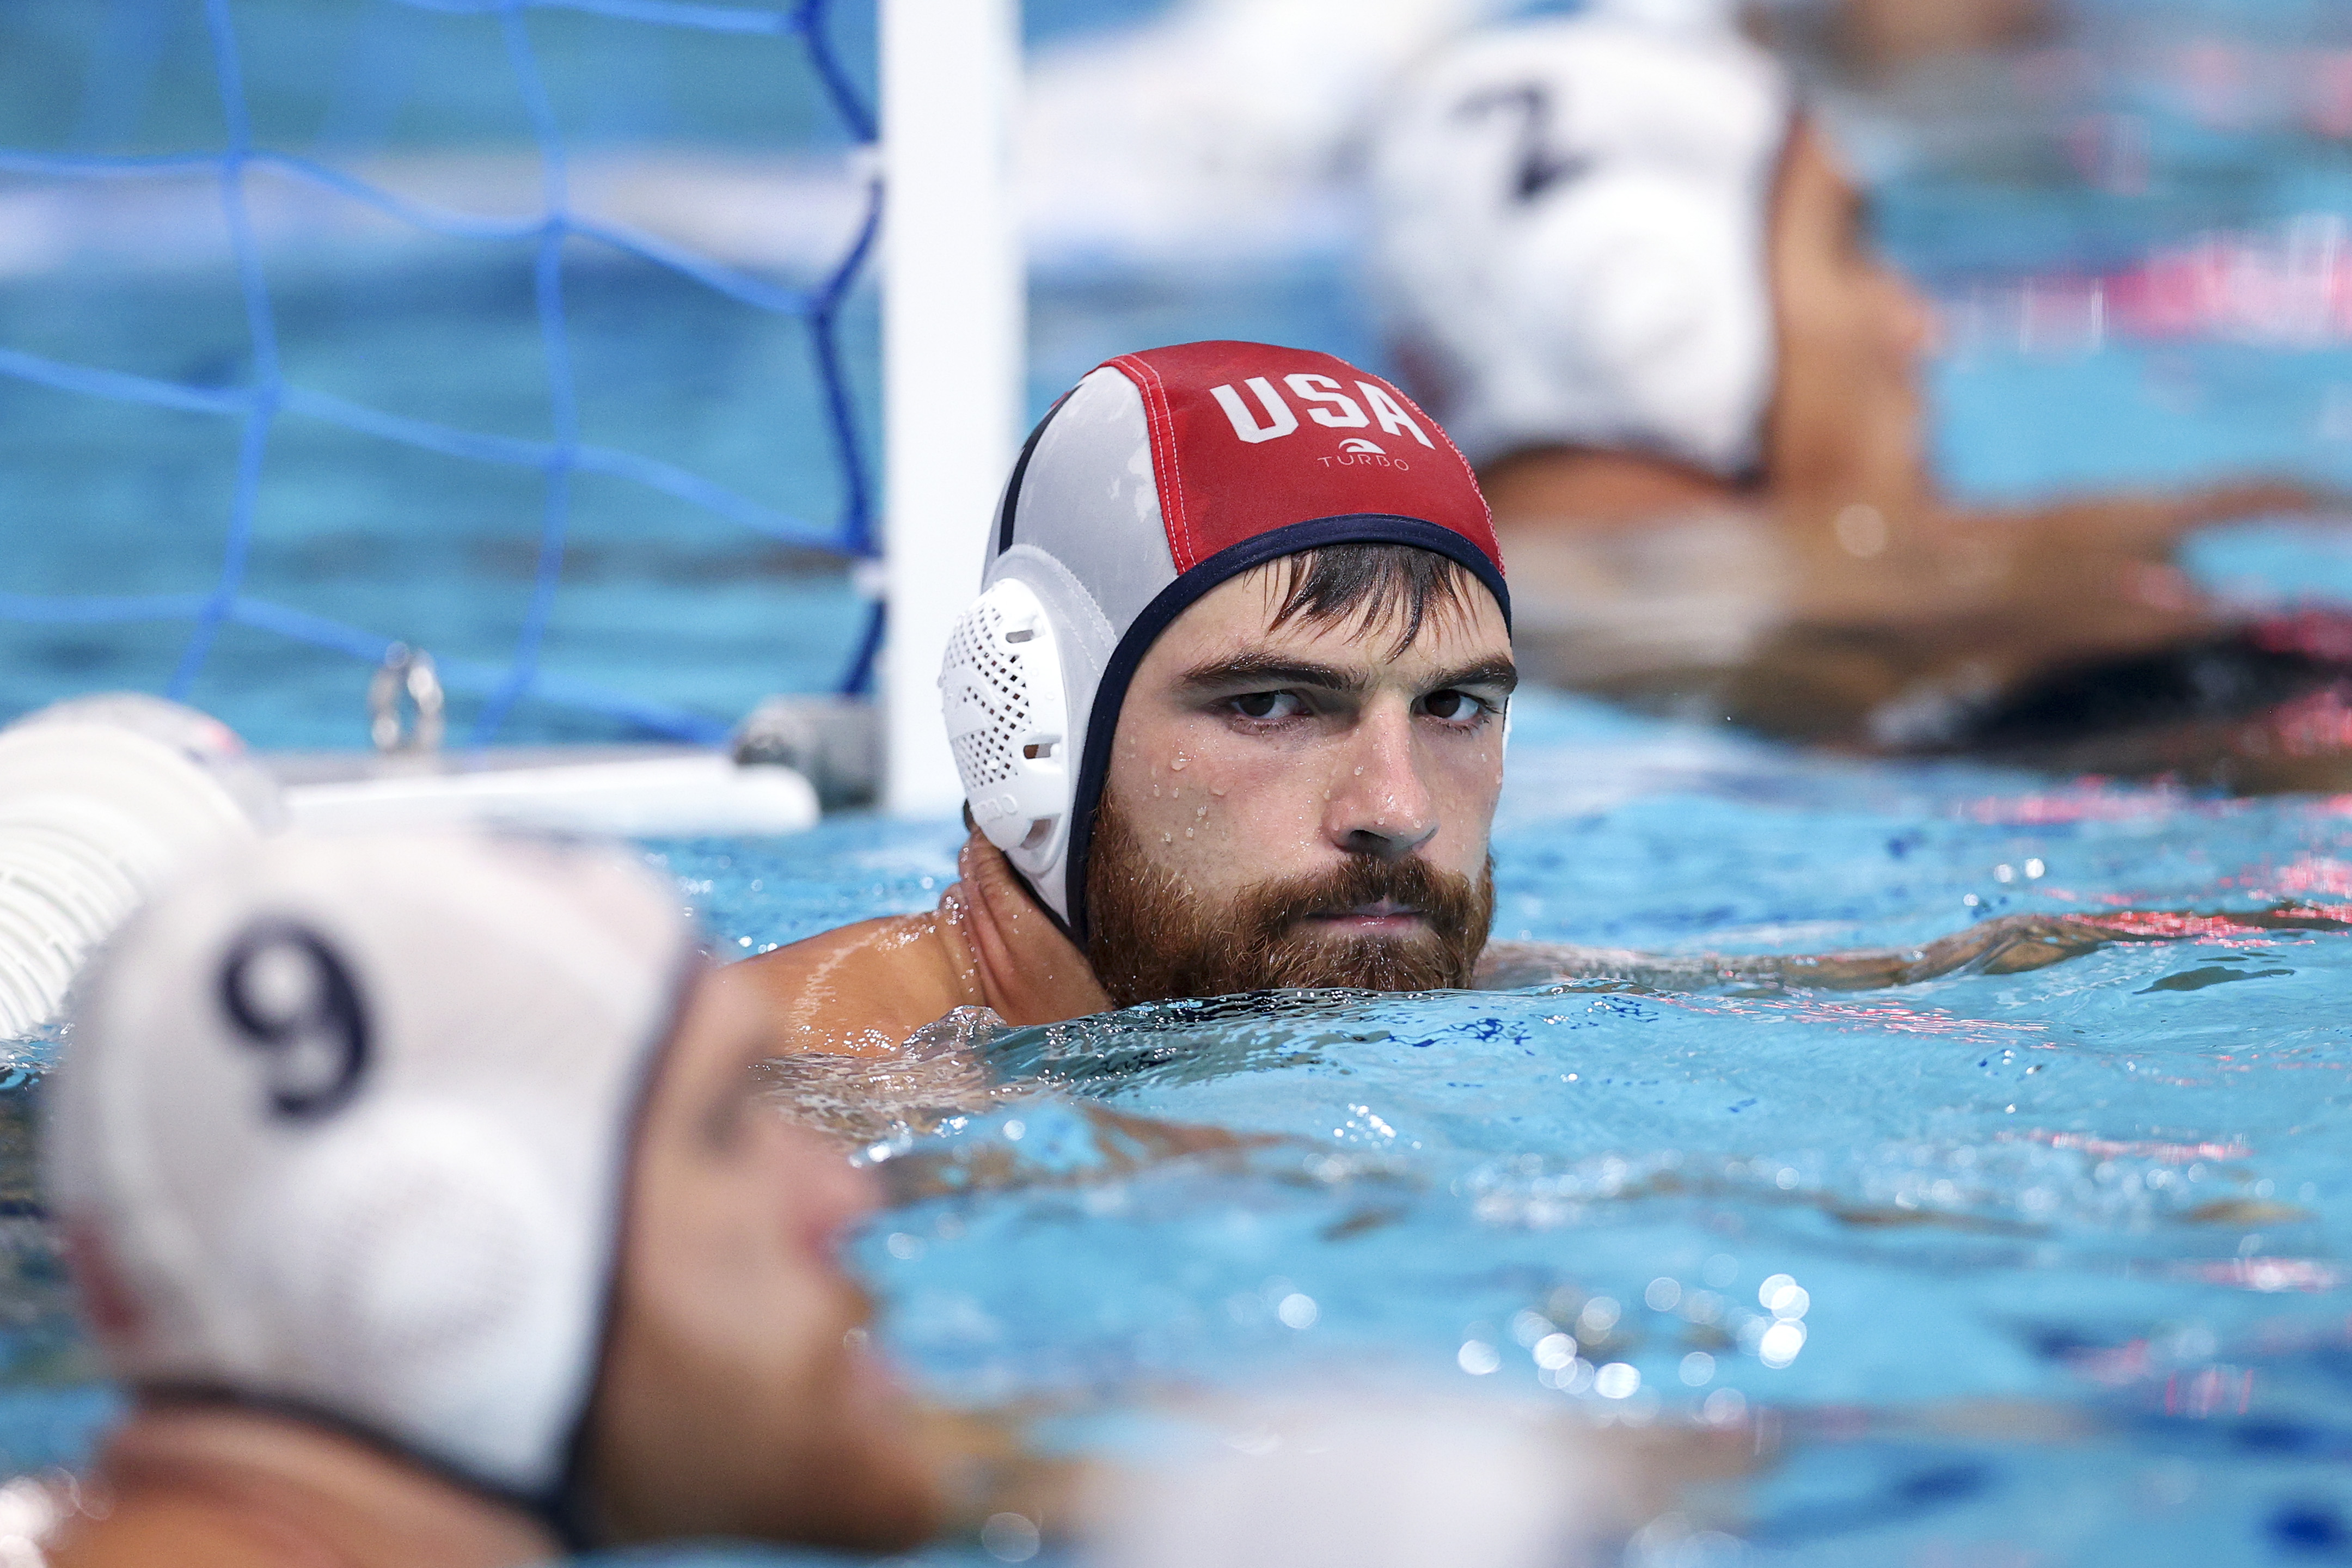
2158 521
2008 945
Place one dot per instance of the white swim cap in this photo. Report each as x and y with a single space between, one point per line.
1573 225
342 1127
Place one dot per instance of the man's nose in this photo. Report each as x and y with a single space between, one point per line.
1380 804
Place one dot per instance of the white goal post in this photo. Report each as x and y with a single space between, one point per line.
954 317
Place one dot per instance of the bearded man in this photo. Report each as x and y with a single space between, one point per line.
1230 717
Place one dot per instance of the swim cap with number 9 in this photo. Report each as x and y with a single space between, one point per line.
342 1125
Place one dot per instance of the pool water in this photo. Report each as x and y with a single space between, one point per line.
2073 1245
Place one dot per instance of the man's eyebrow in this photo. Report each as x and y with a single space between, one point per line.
1499 672
1273 669
1266 669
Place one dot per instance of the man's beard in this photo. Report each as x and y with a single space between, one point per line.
1150 939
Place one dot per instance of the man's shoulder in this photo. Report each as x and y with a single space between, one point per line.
859 989
187 1530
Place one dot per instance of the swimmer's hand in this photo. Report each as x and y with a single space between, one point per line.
1026 969
2008 944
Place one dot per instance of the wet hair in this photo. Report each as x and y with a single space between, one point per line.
1373 585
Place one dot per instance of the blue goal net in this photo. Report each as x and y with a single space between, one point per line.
535 334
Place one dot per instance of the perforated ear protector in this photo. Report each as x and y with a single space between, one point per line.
403 1241
1008 717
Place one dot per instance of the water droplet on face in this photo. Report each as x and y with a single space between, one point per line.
1199 812
1359 773
1187 833
1176 764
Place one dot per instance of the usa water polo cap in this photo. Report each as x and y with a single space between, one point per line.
1160 476
343 1127
1573 237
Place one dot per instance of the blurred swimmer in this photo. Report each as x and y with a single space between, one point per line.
1627 271
1230 714
418 1190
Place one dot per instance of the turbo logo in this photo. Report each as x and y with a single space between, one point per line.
292 999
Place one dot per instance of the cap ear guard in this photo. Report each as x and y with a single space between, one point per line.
429 1269
1008 717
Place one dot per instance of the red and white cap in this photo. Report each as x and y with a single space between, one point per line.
1159 477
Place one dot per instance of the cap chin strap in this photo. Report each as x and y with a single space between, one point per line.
1008 717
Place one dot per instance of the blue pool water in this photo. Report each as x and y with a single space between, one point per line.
2103 1208
2075 1246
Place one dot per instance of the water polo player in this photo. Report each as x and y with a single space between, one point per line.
419 1191
1626 271
1229 713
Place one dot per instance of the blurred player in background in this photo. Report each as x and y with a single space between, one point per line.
419 1192
1627 271
1214 128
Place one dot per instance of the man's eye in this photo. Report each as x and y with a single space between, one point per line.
1269 705
1454 707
